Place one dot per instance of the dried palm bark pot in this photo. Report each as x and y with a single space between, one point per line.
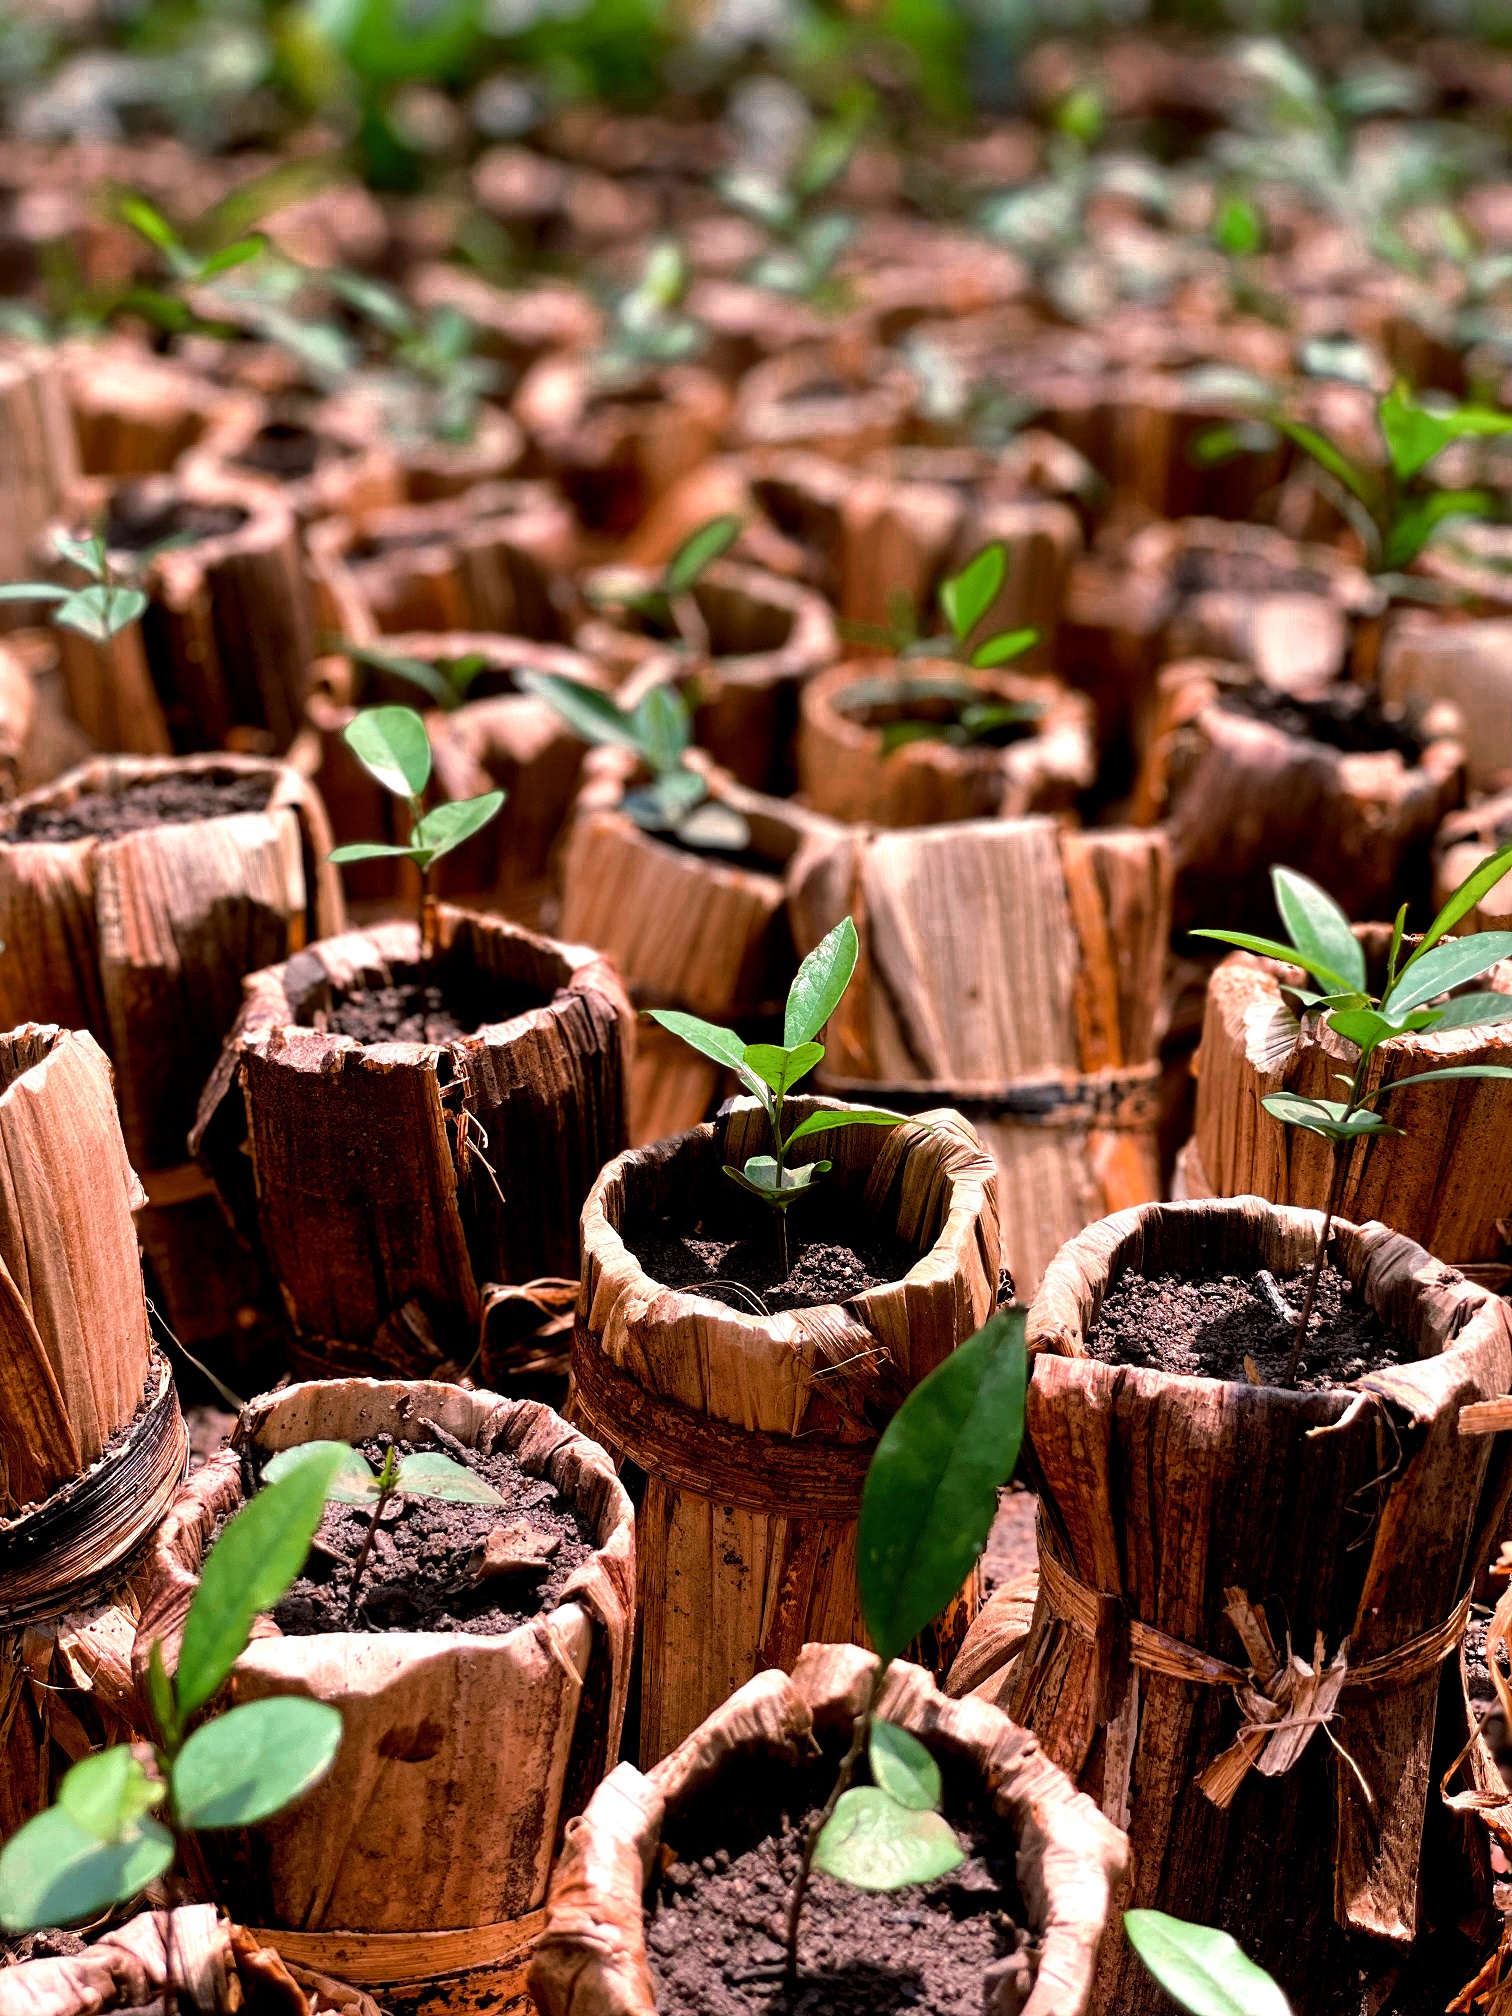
1460 845
136 413
141 933
1058 1072
1342 787
722 1787
39 453
747 324
1446 1181
765 638
495 558
218 1968
1467 664
389 1182
92 1444
483 1742
320 468
39 739
430 467
688 928
1039 763
805 399
614 446
223 650
512 326
1356 1514
753 1432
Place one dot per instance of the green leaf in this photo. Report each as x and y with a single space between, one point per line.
699 550
1418 519
873 1843
1007 644
449 825
429 1473
1334 460
966 597
1447 965
1442 1077
100 611
238 254
251 1762
853 1116
54 1873
258 1554
587 712
1478 883
931 1490
781 1068
393 747
662 726
762 1184
1237 229
160 1695
1201 1969
1415 434
149 223
708 1038
366 850
431 682
1290 955
1322 1116
352 1482
902 1766
1394 950
106 1794
1471 1011
1365 1028
1318 927
86 554
33 591
820 981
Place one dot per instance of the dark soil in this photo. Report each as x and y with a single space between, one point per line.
50 1943
155 801
1206 569
1347 718
283 448
141 515
412 1009
743 1273
1208 1328
933 716
421 1574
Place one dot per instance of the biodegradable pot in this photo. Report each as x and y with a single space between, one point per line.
224 649
430 467
39 453
320 468
1460 845
685 929
808 399
389 1184
1445 1181
843 771
1359 1515
135 413
1468 664
753 1433
494 1740
1241 791
592 1957
495 558
1056 1066
39 739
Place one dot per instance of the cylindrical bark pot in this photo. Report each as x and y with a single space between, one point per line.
92 1444
39 453
685 928
391 1181
746 324
135 413
228 635
1246 778
615 447
1445 1181
320 468
758 1746
1460 845
1468 664
491 1739
1058 1072
753 1432
803 399
39 738
430 467
1357 1514
497 558
843 771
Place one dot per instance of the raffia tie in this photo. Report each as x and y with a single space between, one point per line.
1282 1700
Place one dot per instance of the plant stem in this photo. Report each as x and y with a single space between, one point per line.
170 1998
780 1151
1335 1186
843 1778
386 1491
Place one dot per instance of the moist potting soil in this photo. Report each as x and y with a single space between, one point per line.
1348 718
174 800
432 1567
139 518
1208 1328
285 448
412 1009
746 1273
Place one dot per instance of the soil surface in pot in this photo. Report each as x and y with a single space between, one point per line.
1350 719
285 448
139 518
173 800
745 1272
907 711
1208 1328
414 1009
1200 570
437 1566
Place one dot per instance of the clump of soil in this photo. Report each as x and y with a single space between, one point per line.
935 1949
283 448
1200 570
745 1273
1208 1328
427 1570
1351 719
142 515
172 800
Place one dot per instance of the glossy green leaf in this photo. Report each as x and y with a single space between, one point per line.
1415 434
1471 1011
430 1473
966 597
782 1068
1440 1077
1478 883
100 611
258 1554
1202 1970
53 1872
251 1762
1330 458
663 728
352 1482
819 983
239 254
587 712
366 850
902 1766
1394 950
699 550
1418 519
449 825
1322 1116
1237 229
87 554
1365 1028
392 746
873 1843
708 1038
148 222
1318 926
33 591
1007 644
931 1490
849 1116
1289 955
106 1794
1449 964
160 1695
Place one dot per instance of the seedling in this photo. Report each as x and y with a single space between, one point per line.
122 1816
1203 1970
665 607
425 1473
431 384
1323 944
646 326
964 600
445 682
102 609
771 1070
659 729
927 1507
392 746
809 238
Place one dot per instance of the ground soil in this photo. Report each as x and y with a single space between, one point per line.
174 800
1201 570
50 1943
744 1272
142 516
1347 718
1207 1328
421 1574
283 448
414 1009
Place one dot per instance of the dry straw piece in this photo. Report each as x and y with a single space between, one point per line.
754 1431
418 1868
1070 1862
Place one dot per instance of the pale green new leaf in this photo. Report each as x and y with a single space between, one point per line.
846 1116
1471 1011
782 1068
966 597
1007 644
662 727
1318 926
1415 434
1418 520
393 747
353 1482
873 1843
698 551
251 1762
1201 1969
100 611
902 1766
1334 460
429 1473
53 1872
449 825
587 712
1364 1027
711 824
106 1794
819 983
365 850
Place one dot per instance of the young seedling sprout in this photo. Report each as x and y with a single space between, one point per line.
393 747
445 682
809 238
102 609
1323 945
1202 1969
771 1070
926 1509
646 326
666 605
